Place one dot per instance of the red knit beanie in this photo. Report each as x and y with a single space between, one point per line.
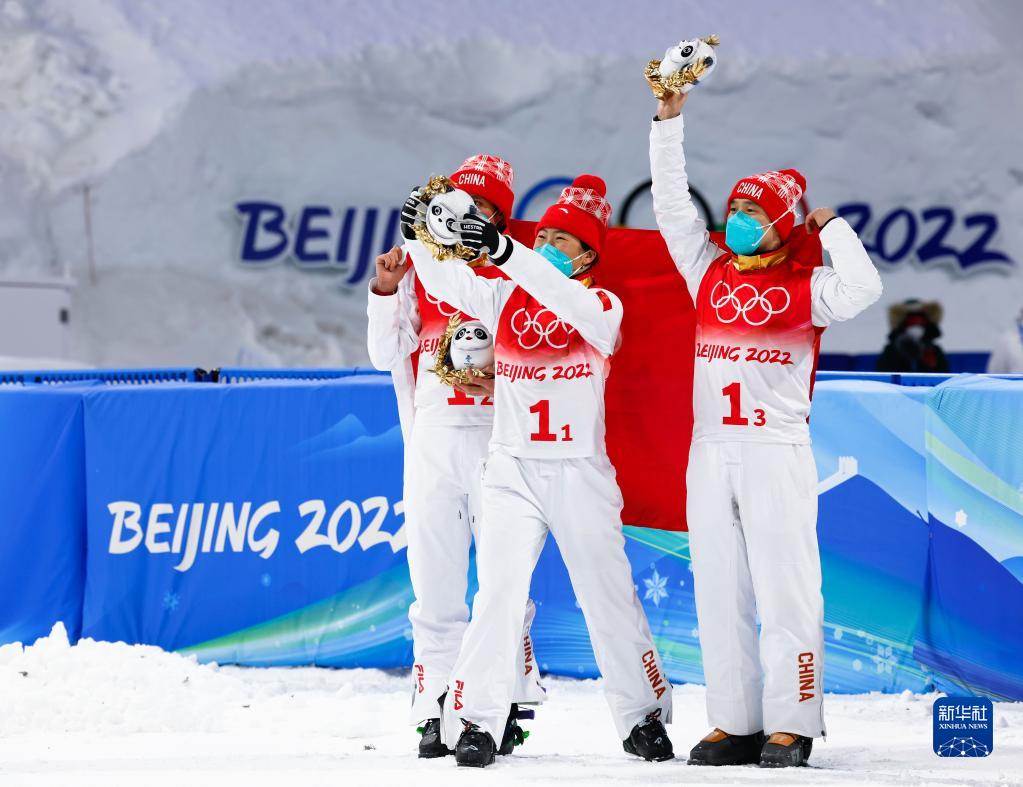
581 210
776 193
489 177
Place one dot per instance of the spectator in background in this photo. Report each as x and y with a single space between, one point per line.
1007 357
911 344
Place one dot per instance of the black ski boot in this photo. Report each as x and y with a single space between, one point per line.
475 748
784 750
720 748
430 744
649 740
514 735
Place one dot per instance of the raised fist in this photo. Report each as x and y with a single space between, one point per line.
391 269
818 218
671 105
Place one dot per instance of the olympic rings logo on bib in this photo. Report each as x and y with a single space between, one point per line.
441 306
531 330
746 301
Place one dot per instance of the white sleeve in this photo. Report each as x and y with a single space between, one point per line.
393 332
456 284
850 285
595 313
684 232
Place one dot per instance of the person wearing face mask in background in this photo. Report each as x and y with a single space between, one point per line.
446 433
911 344
548 470
761 306
1007 357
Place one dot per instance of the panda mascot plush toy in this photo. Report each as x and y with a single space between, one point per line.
437 225
472 346
466 349
682 67
443 213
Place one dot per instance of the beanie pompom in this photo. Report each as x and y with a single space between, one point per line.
591 182
581 210
797 176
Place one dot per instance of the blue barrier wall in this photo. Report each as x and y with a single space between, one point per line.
42 511
972 362
260 522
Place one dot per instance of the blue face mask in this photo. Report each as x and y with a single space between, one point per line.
558 258
744 234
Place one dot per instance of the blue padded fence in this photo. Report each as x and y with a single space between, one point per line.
255 516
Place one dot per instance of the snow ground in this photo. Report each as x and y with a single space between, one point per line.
113 714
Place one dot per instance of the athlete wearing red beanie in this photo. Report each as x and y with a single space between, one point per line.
581 212
446 436
488 180
752 500
547 471
776 195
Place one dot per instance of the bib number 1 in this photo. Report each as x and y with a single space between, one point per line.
735 417
543 434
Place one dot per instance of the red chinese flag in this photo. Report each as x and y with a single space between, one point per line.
649 399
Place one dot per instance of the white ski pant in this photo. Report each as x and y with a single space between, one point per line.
578 501
442 475
752 513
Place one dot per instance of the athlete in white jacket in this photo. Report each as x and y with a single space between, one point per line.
752 502
548 471
446 436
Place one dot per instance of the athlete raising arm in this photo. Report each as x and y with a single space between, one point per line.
761 307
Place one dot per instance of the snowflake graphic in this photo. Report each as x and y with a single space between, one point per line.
656 588
884 660
963 747
961 518
171 601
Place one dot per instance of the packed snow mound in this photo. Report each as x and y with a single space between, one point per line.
87 83
81 88
114 688
54 88
10 363
128 317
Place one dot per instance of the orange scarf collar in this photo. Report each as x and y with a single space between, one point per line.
758 262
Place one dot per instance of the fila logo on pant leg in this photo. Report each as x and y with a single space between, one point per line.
459 686
653 674
420 678
527 646
807 674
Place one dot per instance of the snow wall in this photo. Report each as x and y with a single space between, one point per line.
151 149
158 514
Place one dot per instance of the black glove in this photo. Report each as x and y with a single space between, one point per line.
411 212
481 236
